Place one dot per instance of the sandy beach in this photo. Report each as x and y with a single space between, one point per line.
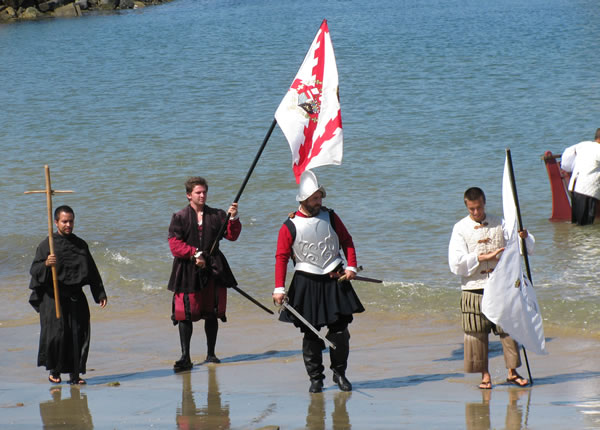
124 107
406 372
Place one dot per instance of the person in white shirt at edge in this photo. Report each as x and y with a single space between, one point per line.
582 162
475 247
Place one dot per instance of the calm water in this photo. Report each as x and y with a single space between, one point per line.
125 107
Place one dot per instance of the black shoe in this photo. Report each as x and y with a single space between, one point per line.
316 386
342 382
212 359
183 365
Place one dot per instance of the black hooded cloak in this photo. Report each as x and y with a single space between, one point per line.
64 342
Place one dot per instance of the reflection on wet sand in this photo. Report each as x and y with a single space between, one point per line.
477 415
212 416
66 414
315 417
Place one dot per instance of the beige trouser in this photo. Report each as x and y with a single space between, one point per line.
477 328
477 348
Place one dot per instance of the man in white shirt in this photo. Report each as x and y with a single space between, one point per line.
475 247
582 161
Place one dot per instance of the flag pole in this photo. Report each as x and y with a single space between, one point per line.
237 197
513 185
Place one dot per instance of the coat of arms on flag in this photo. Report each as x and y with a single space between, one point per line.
309 114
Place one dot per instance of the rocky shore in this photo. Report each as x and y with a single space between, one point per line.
27 10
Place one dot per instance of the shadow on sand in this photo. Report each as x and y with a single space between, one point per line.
404 381
565 377
161 373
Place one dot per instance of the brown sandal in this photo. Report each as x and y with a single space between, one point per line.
485 385
77 380
518 380
54 378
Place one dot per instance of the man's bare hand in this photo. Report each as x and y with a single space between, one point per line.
233 210
51 260
201 262
490 255
347 275
523 234
278 298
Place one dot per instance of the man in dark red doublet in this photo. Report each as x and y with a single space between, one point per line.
199 279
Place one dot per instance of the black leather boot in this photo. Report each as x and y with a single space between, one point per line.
339 358
185 337
313 361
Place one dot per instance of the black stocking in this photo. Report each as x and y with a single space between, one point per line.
211 327
185 336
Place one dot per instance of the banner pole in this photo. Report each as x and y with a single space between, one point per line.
513 185
237 197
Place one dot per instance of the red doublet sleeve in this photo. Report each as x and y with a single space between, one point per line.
346 241
282 255
180 249
234 228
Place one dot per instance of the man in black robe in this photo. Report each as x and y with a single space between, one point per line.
64 341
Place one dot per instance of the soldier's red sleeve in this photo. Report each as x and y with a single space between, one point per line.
282 255
346 241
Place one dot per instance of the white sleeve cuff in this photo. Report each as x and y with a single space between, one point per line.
354 269
472 263
279 290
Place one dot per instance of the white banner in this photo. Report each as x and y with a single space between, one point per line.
309 115
509 299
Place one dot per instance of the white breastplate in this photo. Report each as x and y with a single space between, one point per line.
316 246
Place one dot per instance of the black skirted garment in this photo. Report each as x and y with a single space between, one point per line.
64 342
321 300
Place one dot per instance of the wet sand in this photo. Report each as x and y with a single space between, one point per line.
407 373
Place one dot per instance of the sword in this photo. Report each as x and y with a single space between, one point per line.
361 278
253 300
306 323
365 279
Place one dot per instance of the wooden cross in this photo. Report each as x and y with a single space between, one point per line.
49 191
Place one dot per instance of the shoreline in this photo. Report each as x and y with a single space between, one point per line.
157 304
407 373
33 10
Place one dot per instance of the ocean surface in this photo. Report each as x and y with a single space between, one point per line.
124 107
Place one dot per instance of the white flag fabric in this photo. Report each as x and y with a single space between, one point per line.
309 115
509 299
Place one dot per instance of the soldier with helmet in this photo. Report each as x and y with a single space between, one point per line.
313 237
